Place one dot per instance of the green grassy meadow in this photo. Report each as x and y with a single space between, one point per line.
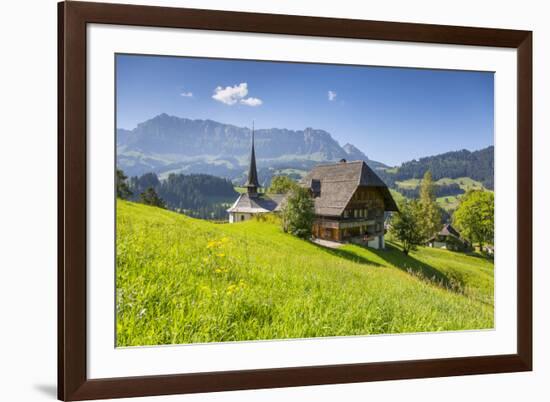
183 280
465 183
448 203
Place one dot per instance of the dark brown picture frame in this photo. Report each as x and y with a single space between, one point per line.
73 383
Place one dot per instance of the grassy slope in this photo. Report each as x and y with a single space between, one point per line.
181 280
465 183
288 171
448 202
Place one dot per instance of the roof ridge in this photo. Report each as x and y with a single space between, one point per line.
339 163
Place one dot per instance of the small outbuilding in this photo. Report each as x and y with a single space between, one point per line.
449 238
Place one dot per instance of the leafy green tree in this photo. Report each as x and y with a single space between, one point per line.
150 197
430 222
298 213
282 185
405 225
475 216
122 189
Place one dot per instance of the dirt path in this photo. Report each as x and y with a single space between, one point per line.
327 243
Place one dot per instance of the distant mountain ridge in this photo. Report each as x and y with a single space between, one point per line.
168 144
174 144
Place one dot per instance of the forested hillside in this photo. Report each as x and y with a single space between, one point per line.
439 190
197 195
478 165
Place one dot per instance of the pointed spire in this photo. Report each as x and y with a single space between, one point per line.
252 182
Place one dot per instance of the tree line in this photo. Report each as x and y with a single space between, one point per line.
478 165
197 195
439 190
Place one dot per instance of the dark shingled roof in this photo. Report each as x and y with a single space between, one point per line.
258 204
448 230
339 182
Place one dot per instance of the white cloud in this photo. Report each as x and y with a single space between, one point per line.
331 95
251 101
187 94
235 94
231 95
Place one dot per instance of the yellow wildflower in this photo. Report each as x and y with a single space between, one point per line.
231 289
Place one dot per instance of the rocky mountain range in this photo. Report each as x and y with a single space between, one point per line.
168 144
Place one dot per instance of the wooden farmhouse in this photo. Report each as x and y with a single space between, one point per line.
350 201
449 238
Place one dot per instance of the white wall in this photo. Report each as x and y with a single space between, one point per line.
28 199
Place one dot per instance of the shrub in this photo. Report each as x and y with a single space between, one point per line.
298 213
405 225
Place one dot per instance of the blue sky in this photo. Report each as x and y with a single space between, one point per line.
391 114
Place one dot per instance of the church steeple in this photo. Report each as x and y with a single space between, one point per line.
252 181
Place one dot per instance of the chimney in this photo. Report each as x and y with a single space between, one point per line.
316 188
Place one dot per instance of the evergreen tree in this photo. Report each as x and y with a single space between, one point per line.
405 225
298 213
150 197
122 189
430 222
475 216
